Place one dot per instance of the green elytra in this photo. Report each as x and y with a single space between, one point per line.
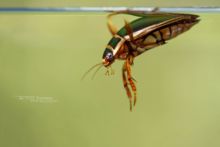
140 23
145 20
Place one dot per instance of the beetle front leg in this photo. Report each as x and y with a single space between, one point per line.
125 84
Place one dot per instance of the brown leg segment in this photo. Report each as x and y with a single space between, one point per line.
130 79
125 84
111 27
129 62
129 30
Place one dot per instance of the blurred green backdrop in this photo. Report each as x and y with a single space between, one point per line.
44 103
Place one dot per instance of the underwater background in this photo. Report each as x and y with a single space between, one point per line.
44 102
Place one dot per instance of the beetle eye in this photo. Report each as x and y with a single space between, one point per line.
109 56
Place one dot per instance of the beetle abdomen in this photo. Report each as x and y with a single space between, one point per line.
161 34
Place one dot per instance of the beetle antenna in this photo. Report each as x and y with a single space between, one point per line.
94 74
90 69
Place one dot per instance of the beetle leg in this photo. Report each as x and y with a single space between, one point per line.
129 30
129 61
125 83
111 27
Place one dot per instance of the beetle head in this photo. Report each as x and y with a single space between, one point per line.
108 57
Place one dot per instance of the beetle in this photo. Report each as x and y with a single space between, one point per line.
150 30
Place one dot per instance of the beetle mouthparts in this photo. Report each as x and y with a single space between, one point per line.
105 62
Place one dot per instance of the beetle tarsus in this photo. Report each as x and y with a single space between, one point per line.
135 98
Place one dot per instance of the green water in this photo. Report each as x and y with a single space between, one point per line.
44 103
